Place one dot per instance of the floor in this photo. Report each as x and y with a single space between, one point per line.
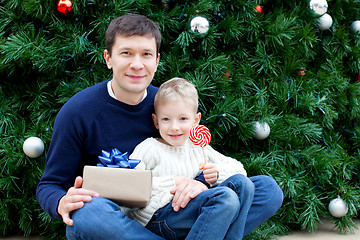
325 232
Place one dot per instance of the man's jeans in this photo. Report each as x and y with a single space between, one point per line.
102 219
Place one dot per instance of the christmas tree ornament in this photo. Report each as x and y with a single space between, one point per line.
338 207
64 7
325 22
33 147
355 27
261 130
319 7
227 74
358 77
259 9
199 25
302 72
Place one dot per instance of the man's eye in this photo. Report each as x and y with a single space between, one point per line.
165 119
125 53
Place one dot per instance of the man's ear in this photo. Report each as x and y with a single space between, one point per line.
157 61
107 58
197 119
156 123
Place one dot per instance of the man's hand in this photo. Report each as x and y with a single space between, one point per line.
210 171
73 200
185 190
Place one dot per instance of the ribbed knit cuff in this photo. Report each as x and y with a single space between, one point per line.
201 178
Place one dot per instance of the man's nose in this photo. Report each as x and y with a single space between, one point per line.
137 62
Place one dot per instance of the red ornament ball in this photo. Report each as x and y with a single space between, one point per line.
259 9
64 7
302 73
358 77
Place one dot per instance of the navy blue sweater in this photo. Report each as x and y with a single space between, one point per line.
89 122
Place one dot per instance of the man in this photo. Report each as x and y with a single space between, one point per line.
117 113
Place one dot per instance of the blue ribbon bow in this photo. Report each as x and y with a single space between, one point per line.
116 159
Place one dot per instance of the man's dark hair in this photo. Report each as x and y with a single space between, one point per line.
132 25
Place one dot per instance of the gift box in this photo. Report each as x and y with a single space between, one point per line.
115 180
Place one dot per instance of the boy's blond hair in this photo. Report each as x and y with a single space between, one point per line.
177 89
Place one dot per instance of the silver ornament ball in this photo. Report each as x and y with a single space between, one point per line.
199 25
262 130
338 207
33 147
325 22
355 27
319 6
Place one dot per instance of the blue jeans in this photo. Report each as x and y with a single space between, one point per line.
102 219
218 213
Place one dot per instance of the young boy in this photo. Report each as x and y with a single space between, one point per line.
173 156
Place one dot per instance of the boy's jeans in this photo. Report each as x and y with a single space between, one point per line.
102 219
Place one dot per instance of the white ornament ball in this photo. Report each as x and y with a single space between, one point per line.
33 147
325 22
355 27
262 130
338 207
319 6
199 24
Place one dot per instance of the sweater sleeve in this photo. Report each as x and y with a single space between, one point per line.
227 166
62 162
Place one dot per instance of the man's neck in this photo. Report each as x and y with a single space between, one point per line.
131 99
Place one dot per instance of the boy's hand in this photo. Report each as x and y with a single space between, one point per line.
185 190
211 173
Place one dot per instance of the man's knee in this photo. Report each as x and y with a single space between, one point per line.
91 215
272 195
241 184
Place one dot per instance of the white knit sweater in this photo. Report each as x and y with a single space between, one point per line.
166 162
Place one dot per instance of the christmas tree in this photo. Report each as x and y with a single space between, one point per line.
291 68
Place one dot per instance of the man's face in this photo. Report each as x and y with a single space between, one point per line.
134 62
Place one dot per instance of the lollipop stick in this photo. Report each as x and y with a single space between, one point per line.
204 155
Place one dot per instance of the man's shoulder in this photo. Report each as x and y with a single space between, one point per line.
87 98
152 90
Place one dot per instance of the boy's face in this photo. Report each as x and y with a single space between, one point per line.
134 62
174 119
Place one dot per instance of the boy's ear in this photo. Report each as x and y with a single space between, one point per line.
156 123
197 119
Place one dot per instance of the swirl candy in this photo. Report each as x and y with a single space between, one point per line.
200 135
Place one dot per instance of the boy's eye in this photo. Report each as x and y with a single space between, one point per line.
183 118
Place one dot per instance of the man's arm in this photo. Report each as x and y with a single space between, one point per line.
73 200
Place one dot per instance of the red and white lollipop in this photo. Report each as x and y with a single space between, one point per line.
200 136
